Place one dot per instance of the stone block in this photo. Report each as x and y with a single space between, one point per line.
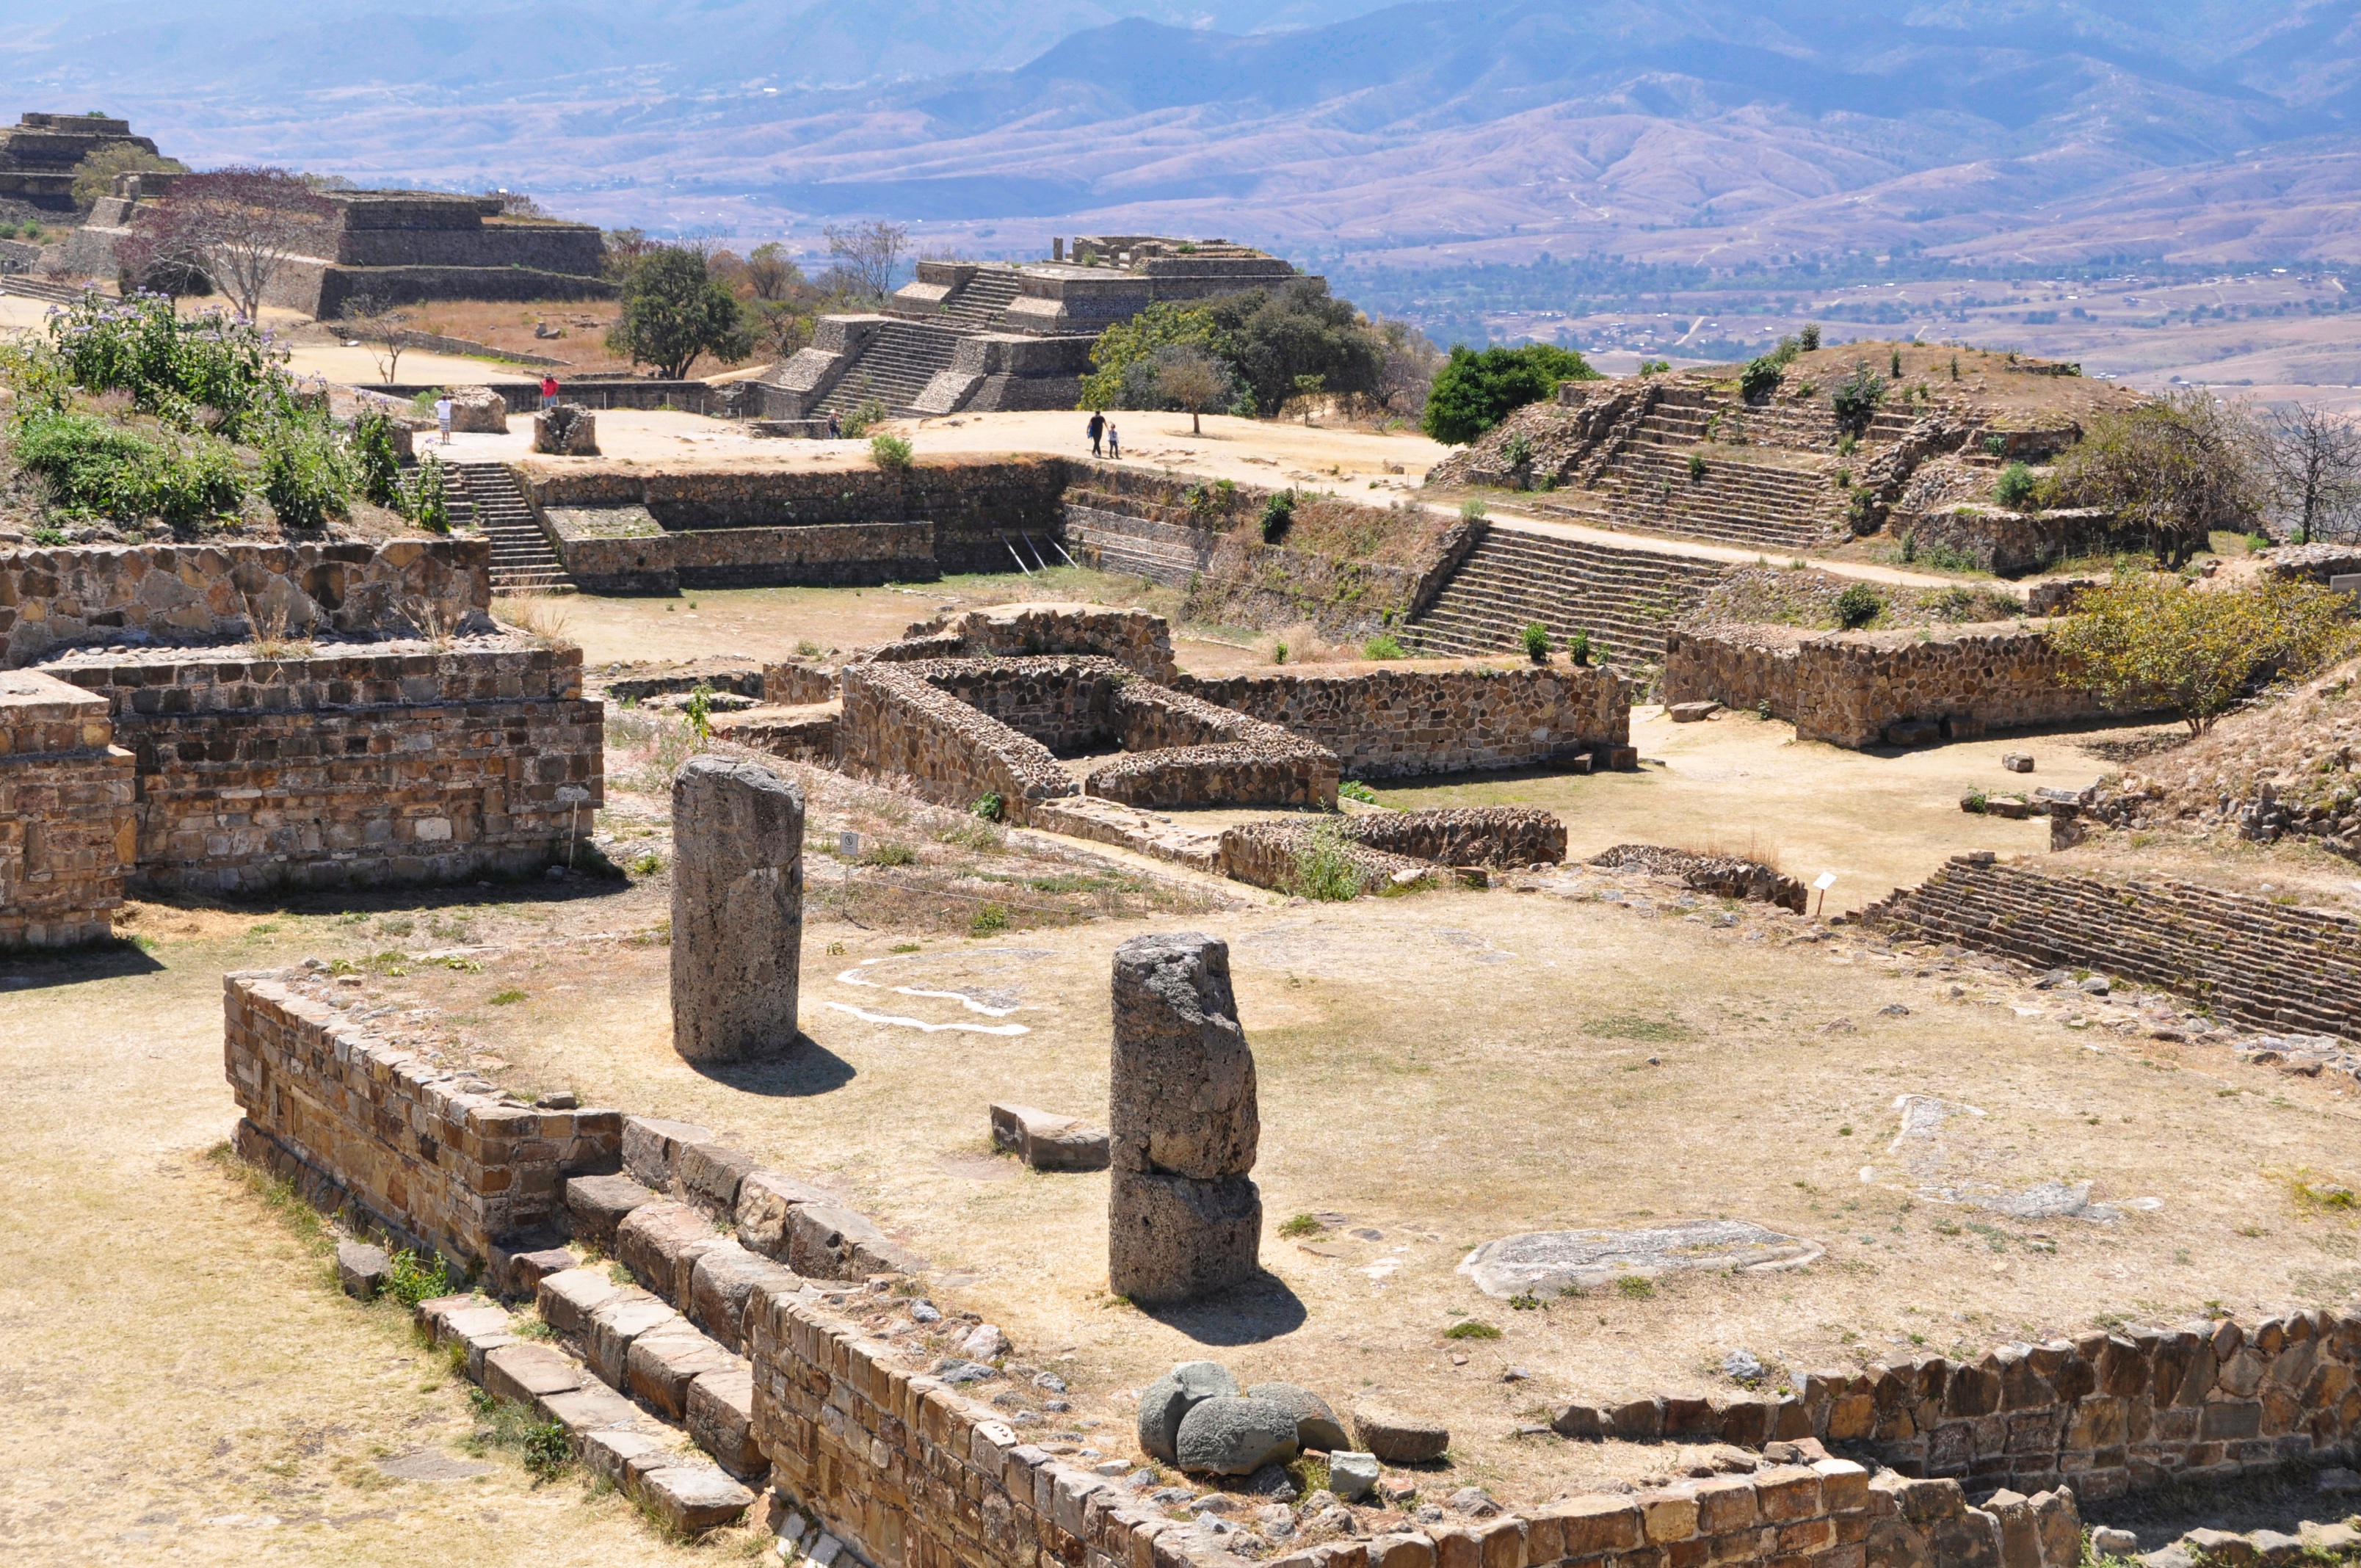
652 1149
660 1243
596 1205
479 410
593 1407
764 1201
721 1282
2017 762
721 1422
1046 1141
737 910
607 1341
523 1374
693 1500
567 1298
1691 712
824 1241
708 1176
1173 1239
663 1361
361 1269
1352 1475
1397 1437
608 1452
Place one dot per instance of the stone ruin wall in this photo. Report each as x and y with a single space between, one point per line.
964 729
1139 641
352 769
53 599
2265 965
66 834
434 1157
1385 723
1849 688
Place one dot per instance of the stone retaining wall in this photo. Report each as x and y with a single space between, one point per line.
1384 722
2265 965
201 593
1726 876
1850 688
896 723
431 1157
362 768
1464 835
2011 544
66 836
604 552
1137 641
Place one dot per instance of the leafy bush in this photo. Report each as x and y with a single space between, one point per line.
1760 378
1471 1328
2016 486
1382 646
1894 366
1537 642
990 809
377 466
2152 639
674 311
1518 450
1277 516
1858 606
96 468
426 496
1325 871
416 1277
1577 649
1354 789
1857 397
891 454
172 365
1276 340
870 412
1654 367
1809 339
1696 466
1472 509
1125 359
307 475
990 920
1476 391
2179 467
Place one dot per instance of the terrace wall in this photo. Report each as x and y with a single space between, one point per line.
1851 688
1384 722
429 1155
66 834
51 600
362 768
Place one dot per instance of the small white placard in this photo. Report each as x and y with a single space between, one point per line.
848 846
1826 881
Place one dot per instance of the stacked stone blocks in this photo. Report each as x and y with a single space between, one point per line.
67 831
737 910
2263 964
427 1155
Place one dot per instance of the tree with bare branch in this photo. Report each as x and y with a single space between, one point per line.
2313 458
384 331
1194 381
866 254
238 225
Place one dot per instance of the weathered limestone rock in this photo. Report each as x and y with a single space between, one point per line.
737 910
361 1268
653 1145
764 1201
721 1420
1166 1402
1184 1217
569 430
1351 1476
1046 1141
1227 1436
1399 1439
479 410
1316 1425
721 1280
660 1243
692 1498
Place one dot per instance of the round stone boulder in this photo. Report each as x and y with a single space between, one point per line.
1229 1436
1399 1438
1163 1404
1316 1425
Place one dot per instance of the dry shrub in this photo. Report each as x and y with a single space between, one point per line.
541 618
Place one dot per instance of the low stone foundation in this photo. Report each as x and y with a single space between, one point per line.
67 833
1725 876
432 1158
1384 722
1137 641
1856 688
965 728
359 768
2265 965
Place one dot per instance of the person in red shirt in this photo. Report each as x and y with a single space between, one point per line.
548 391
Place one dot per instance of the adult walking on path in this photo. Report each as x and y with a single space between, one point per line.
1097 427
442 416
548 391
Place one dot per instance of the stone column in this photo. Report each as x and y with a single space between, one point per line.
737 910
1183 1218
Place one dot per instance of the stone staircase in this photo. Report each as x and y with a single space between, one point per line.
2254 962
1733 502
894 367
523 561
983 301
1625 599
26 287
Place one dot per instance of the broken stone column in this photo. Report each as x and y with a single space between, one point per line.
1183 1218
737 910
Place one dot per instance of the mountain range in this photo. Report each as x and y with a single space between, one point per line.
1716 131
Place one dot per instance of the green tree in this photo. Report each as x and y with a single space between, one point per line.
93 177
1131 348
1476 391
2178 468
2153 640
676 310
1276 336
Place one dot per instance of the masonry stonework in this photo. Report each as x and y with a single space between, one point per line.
737 910
68 835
